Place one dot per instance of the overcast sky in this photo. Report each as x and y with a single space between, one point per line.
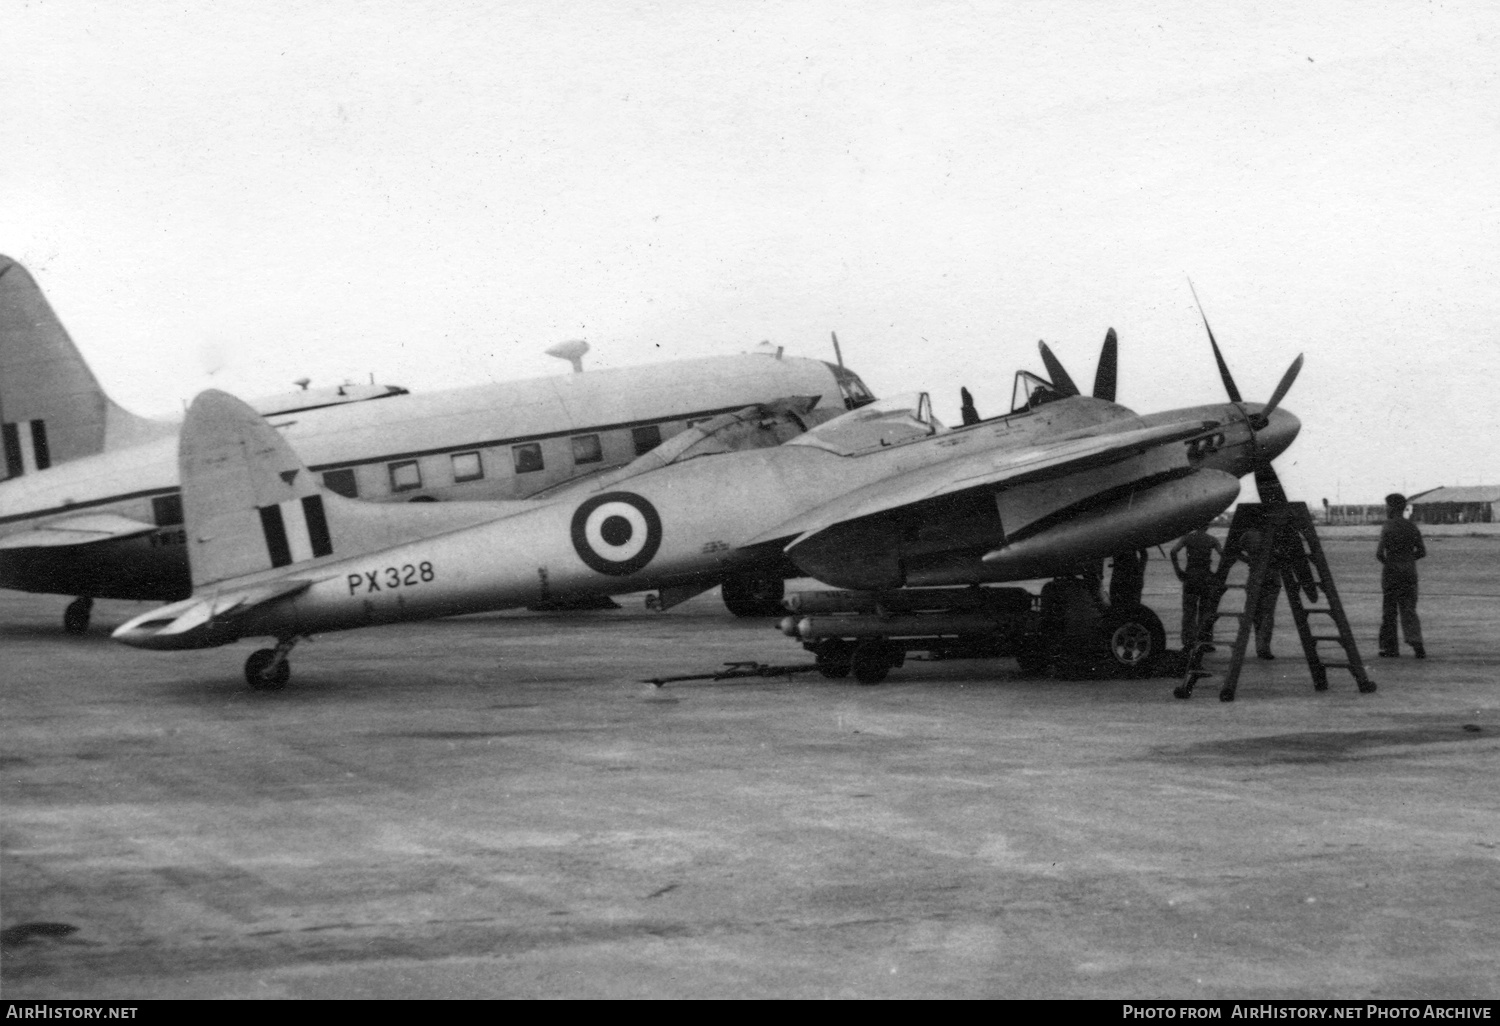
434 192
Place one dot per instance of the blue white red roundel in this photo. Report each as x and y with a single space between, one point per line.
616 533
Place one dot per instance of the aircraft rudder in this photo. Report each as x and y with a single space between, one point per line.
51 406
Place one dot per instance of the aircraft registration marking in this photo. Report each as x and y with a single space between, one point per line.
390 578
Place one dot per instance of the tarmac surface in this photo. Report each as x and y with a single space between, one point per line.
493 806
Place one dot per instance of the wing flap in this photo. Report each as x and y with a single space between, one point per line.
981 469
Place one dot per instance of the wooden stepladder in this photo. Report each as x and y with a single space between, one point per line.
1287 545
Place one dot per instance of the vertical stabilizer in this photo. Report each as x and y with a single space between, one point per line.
251 506
51 407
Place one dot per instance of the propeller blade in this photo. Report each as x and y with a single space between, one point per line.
1104 377
1224 375
1281 389
1268 484
837 353
1055 371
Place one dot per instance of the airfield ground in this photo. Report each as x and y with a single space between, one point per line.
492 806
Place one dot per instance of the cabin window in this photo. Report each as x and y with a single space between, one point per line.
166 510
342 481
586 449
405 476
467 467
646 438
528 457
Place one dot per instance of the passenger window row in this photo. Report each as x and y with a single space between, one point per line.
527 458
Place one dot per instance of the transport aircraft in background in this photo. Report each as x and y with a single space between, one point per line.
880 498
90 504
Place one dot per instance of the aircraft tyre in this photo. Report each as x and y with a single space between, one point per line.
260 675
1134 639
871 660
832 657
76 616
753 594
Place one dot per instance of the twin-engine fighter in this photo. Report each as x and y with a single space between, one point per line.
879 498
89 499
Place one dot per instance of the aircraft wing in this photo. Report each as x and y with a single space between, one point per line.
979 470
84 529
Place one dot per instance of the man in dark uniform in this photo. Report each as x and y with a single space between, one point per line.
1127 578
1270 591
1399 549
1198 586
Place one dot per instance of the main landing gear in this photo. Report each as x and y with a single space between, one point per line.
76 616
267 669
753 594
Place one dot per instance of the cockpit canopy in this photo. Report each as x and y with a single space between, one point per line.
854 392
1031 391
878 424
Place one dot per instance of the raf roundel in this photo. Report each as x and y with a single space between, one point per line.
616 533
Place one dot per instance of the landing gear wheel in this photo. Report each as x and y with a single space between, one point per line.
753 595
264 673
870 661
76 616
1134 638
832 657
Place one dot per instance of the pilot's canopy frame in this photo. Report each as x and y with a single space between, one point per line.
1030 391
876 425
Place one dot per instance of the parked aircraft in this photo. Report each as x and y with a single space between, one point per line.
882 497
91 506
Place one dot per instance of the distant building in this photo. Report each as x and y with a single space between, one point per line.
1479 504
1354 514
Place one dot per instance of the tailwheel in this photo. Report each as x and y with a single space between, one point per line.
871 660
267 669
76 616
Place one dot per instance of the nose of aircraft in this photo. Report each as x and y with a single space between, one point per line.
1277 436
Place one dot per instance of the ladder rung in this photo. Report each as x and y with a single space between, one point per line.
1336 666
1327 637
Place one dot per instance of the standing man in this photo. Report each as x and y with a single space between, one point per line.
1270 591
1127 579
1198 585
1399 549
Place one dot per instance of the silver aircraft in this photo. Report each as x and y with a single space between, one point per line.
90 504
881 497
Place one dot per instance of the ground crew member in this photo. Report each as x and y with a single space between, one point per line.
1199 589
1399 549
1127 578
1270 590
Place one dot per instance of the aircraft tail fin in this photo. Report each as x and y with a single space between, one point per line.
51 406
250 505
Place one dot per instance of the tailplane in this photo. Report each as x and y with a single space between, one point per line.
250 505
51 406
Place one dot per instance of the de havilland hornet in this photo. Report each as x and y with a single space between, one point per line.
882 497
90 504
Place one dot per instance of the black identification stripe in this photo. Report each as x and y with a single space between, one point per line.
12 437
39 444
275 531
317 525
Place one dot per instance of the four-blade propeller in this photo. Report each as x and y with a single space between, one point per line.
1266 481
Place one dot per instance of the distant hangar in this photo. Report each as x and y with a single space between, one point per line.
1476 504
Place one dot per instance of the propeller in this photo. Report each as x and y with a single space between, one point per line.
1060 379
1104 375
1266 481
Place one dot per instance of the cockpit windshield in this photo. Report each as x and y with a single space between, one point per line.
876 425
1031 391
853 390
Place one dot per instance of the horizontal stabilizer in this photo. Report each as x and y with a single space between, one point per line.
80 530
986 469
205 621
